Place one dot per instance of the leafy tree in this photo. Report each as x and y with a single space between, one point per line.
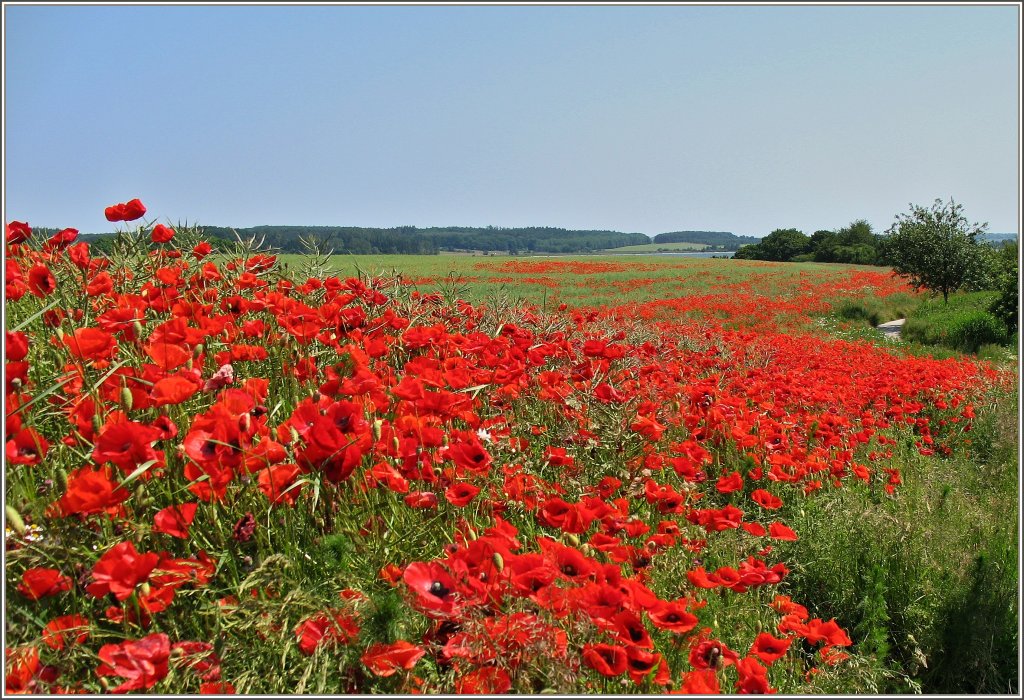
783 244
1008 285
823 245
936 247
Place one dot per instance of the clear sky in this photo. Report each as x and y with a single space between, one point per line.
634 118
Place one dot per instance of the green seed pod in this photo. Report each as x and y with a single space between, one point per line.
295 434
198 350
145 589
140 493
499 562
127 400
572 539
14 520
377 424
62 478
137 327
97 424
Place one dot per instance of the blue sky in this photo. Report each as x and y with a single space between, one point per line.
649 119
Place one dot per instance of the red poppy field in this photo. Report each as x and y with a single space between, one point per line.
224 477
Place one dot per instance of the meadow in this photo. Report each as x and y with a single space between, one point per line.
457 474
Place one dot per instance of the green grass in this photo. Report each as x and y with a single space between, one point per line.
963 324
638 279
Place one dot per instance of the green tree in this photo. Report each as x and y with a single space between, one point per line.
936 247
823 245
1008 285
783 244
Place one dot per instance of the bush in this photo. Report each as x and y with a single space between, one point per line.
964 324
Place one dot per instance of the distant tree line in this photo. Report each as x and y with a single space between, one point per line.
855 244
716 239
410 240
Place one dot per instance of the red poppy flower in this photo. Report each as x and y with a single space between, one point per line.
779 531
607 659
173 390
100 284
128 211
161 234
713 654
328 627
768 648
91 491
765 499
730 483
26 447
65 631
18 232
41 281
753 677
701 682
91 344
143 662
433 587
672 616
40 582
421 500
126 444
488 680
61 239
277 483
461 494
201 250
119 570
175 520
386 659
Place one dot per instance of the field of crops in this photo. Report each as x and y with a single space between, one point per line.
457 474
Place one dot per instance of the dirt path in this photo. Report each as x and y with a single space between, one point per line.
892 329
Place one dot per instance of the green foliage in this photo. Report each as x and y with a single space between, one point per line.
1007 284
730 241
784 244
942 617
935 248
963 323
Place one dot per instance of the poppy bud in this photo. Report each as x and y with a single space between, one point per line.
198 350
245 422
499 563
471 533
395 443
127 400
62 478
317 396
377 428
105 684
145 589
14 520
294 433
16 383
97 424
137 327
572 539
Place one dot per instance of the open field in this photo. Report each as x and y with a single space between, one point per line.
474 474
596 281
